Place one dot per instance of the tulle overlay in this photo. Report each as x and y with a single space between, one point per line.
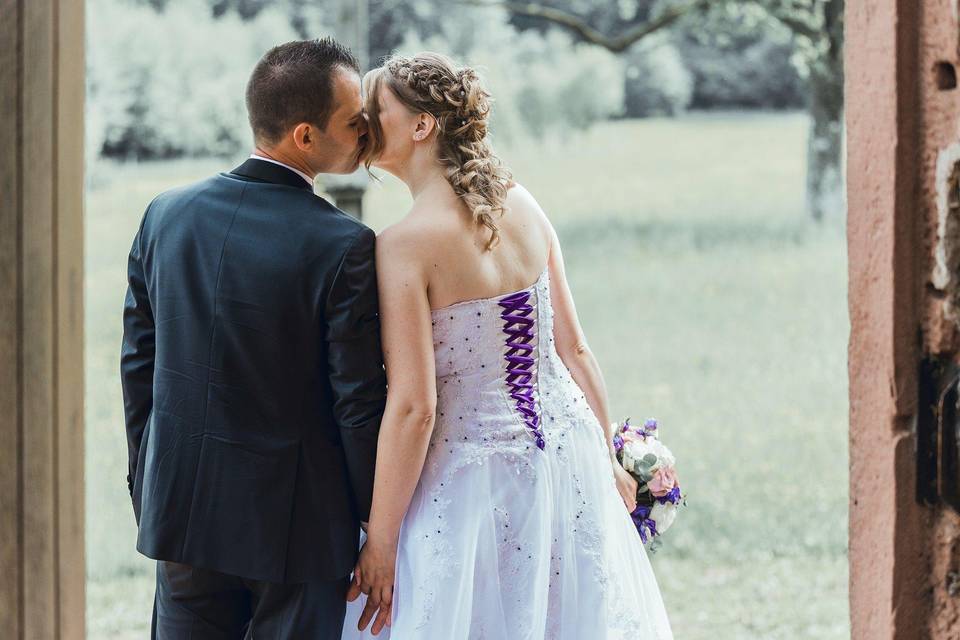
504 540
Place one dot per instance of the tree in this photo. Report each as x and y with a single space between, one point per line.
618 29
817 27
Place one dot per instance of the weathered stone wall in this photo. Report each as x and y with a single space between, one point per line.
903 119
938 206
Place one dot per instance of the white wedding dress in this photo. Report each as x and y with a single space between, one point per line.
516 530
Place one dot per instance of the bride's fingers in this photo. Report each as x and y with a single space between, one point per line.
368 612
383 599
353 592
382 620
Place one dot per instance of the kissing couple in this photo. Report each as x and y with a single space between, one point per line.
334 433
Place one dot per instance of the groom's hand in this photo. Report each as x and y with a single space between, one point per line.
374 576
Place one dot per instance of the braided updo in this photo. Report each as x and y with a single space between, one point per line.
431 83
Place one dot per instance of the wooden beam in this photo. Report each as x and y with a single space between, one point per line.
69 285
41 319
38 331
11 513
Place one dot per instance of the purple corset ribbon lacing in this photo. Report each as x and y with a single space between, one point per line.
518 324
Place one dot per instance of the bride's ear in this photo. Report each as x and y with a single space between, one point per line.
425 126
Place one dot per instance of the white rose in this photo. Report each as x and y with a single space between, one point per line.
637 449
663 515
663 453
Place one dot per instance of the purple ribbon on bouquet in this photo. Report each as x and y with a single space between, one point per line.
673 497
643 522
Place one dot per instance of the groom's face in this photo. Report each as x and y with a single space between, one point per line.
343 142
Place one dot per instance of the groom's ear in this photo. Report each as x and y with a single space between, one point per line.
304 136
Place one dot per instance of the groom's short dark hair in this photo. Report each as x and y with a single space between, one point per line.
293 83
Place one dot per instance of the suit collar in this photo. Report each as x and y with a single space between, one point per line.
269 172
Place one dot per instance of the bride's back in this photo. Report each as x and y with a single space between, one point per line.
458 265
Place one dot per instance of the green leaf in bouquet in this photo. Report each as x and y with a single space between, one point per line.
642 472
646 463
642 464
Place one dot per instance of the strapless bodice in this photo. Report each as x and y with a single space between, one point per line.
498 372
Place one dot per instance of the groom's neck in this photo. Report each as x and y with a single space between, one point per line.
290 159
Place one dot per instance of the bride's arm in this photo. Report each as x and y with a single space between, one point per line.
407 338
570 342
408 419
571 345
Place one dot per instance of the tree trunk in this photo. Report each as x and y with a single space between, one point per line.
825 184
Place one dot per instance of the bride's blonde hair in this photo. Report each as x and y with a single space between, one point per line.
431 83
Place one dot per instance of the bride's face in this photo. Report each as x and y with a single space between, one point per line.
395 125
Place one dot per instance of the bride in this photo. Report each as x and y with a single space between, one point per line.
499 510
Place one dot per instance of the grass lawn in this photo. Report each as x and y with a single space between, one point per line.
710 301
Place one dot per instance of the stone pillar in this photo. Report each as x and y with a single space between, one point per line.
937 200
352 20
903 130
353 30
347 191
41 319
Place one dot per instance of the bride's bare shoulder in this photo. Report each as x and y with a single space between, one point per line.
517 194
524 206
520 199
406 241
397 236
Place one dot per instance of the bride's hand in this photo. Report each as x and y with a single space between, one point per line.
373 576
626 485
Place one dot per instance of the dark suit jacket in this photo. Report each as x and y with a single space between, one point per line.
253 379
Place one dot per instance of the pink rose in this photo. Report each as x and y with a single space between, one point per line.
663 481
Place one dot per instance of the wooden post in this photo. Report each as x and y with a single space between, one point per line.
41 319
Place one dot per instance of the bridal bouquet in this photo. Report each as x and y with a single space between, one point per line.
641 453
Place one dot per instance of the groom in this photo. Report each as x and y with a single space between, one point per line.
253 379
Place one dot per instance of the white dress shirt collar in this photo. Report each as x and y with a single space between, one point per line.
286 166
